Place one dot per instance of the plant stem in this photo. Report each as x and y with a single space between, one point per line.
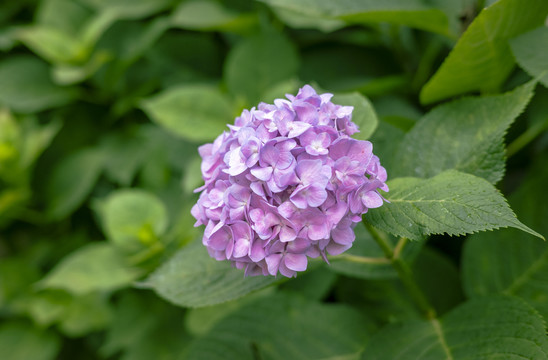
361 259
529 135
403 270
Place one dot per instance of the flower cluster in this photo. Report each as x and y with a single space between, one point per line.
286 182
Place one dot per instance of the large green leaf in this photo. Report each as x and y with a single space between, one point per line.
452 202
19 341
482 58
285 327
487 328
363 115
466 135
414 13
71 182
195 112
258 63
531 52
192 279
94 267
133 219
27 87
509 261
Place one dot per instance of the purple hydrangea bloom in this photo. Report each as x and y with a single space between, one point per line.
286 183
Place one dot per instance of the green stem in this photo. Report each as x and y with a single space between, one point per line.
404 271
360 259
529 135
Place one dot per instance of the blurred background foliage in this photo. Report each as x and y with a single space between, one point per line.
102 106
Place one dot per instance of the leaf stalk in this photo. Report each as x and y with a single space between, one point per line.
404 270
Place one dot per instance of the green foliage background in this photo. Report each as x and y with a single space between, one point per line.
104 102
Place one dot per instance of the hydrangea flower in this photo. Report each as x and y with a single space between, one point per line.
286 183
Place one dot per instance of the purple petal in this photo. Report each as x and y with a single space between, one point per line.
241 248
296 262
318 231
285 271
287 233
257 252
299 246
316 195
220 239
268 155
285 159
343 234
372 200
337 249
262 173
306 112
273 263
298 198
308 170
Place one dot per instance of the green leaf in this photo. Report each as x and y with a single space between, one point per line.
22 140
363 115
259 62
193 279
74 14
27 87
133 318
285 327
438 278
195 112
75 315
200 321
130 9
366 260
85 314
465 135
487 328
94 267
481 60
452 202
387 300
210 15
145 327
127 153
53 44
531 52
133 220
67 74
72 181
19 341
36 139
8 38
56 37
314 284
413 13
509 261
16 277
299 20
